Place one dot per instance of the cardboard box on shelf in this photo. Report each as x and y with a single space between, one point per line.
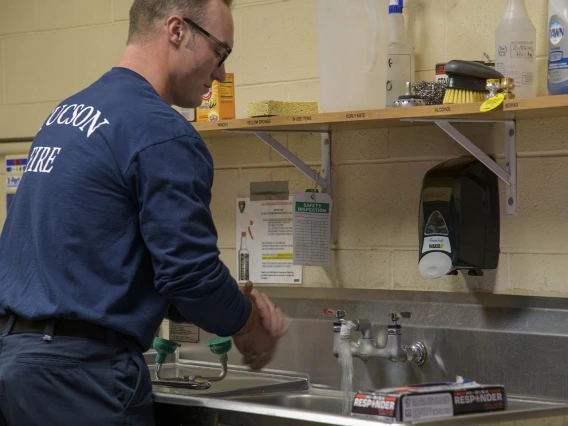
219 102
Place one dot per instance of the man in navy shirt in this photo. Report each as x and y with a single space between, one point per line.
111 230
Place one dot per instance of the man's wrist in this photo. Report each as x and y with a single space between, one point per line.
252 322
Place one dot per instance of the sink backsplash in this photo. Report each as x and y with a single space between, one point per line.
518 341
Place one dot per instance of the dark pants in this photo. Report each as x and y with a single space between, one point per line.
73 381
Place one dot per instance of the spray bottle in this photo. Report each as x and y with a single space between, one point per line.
400 54
515 48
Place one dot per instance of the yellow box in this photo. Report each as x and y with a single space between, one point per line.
219 102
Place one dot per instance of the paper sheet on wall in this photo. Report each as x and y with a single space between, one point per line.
15 168
265 241
312 229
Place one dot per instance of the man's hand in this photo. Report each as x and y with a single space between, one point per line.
266 324
273 319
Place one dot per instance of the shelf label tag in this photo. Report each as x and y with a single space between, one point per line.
492 103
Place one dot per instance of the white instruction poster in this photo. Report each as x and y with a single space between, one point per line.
265 242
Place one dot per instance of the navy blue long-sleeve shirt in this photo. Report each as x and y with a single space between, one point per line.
111 221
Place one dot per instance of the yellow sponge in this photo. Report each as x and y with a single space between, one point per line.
266 108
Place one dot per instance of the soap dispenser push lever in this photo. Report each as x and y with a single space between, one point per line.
365 348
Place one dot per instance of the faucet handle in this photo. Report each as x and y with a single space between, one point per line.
395 316
338 313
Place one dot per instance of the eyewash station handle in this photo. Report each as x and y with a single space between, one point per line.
218 346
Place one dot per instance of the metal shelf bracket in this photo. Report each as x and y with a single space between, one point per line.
323 178
507 174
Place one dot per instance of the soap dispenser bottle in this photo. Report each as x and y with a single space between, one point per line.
458 222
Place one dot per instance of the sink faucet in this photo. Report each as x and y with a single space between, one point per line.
364 348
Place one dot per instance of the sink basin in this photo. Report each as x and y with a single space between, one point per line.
315 400
238 381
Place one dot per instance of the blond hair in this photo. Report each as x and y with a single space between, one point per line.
145 13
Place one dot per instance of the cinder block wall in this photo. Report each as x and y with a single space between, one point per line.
51 48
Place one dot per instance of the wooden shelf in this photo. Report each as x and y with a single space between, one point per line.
546 106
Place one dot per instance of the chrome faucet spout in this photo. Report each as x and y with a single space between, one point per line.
365 348
365 327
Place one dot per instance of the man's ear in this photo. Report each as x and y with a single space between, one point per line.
175 26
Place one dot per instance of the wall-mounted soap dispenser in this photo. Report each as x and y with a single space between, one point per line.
458 223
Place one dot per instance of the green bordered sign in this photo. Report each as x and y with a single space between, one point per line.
312 229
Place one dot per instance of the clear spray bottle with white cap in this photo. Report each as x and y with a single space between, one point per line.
515 48
400 54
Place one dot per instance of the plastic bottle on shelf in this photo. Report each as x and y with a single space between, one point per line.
515 48
400 54
352 48
557 47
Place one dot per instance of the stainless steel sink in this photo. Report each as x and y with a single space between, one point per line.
280 398
319 407
331 402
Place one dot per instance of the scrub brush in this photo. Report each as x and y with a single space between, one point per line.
467 81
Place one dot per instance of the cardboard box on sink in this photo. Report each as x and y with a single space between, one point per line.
429 401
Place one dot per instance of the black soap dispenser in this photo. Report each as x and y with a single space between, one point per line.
458 223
